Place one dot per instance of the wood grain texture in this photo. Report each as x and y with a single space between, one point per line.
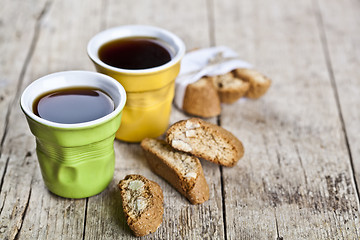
16 39
18 33
181 219
341 41
27 205
302 154
295 181
61 46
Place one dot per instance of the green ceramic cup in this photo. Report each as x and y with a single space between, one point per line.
76 160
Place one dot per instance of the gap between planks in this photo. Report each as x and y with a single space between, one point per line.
28 58
29 55
85 216
23 215
210 6
325 46
103 26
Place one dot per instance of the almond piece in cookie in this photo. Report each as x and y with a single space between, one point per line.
201 99
182 170
142 202
259 84
229 87
205 140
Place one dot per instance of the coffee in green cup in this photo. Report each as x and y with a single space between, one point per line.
74 138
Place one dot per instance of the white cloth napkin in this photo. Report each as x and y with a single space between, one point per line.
205 62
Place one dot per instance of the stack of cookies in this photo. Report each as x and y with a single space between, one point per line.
177 161
203 97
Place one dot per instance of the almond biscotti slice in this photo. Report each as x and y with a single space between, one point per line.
205 140
142 202
259 84
201 99
229 87
181 170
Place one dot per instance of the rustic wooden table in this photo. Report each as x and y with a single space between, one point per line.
300 176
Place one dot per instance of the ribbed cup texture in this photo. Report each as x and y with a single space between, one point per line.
74 155
76 172
152 98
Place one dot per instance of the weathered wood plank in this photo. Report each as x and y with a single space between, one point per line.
60 44
181 219
340 23
16 37
295 180
18 32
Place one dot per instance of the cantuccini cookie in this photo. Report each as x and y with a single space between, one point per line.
229 87
201 99
142 202
181 170
205 140
259 84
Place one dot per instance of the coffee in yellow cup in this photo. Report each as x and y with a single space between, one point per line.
146 61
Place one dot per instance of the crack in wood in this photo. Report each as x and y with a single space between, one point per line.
23 71
32 48
275 201
11 105
15 231
323 39
278 237
211 23
85 216
6 127
3 176
3 203
23 214
222 184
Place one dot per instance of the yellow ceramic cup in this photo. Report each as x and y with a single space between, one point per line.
149 91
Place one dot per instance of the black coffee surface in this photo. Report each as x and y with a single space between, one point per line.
134 53
74 105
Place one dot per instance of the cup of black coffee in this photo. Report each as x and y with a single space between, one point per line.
146 61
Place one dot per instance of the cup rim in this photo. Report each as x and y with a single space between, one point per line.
135 31
25 98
